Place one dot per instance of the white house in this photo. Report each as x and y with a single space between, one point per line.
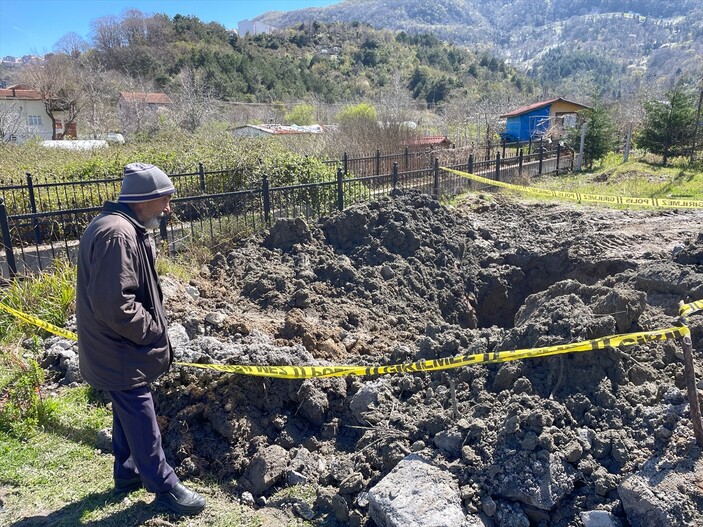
23 115
253 27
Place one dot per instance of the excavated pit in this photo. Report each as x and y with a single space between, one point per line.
531 442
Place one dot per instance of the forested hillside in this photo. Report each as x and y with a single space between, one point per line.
575 46
330 62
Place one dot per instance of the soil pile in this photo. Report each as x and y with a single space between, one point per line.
558 441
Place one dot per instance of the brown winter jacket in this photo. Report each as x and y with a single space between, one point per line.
122 340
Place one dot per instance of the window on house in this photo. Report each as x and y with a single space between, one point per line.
34 120
570 120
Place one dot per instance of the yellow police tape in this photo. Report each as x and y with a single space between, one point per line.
581 197
687 309
40 323
305 372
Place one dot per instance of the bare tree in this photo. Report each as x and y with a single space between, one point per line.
57 82
100 88
13 123
71 44
195 101
133 25
107 33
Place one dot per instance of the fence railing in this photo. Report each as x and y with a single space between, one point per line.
42 221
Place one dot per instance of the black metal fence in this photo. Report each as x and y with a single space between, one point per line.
43 221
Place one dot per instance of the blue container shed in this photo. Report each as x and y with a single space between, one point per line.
533 121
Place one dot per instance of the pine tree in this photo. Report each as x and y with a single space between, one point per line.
669 124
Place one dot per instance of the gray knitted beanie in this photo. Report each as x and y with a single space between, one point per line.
144 182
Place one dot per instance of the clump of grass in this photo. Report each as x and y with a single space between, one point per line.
49 296
23 409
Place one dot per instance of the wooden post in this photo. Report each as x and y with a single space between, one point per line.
519 163
627 143
201 173
694 408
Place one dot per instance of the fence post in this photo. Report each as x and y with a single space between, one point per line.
471 164
33 206
503 141
7 240
346 163
395 175
519 162
163 231
267 199
340 189
436 177
378 161
558 156
406 158
541 157
201 172
498 166
529 146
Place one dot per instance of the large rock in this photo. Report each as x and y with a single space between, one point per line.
540 483
416 493
265 469
652 497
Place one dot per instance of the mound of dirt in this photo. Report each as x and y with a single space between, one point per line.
569 440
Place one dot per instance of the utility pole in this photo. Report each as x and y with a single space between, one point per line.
698 122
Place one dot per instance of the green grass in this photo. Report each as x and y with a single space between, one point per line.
48 296
636 178
58 473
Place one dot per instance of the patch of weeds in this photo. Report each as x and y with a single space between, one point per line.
23 409
48 295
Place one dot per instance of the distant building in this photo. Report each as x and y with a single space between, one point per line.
24 115
430 141
138 111
533 121
253 27
259 130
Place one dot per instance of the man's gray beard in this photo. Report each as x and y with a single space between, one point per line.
153 223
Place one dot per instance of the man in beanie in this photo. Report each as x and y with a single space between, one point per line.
122 339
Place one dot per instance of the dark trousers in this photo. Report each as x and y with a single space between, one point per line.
136 441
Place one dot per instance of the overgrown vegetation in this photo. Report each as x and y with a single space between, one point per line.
175 152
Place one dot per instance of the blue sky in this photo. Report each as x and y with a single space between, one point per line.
34 26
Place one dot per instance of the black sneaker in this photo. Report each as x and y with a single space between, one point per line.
123 486
181 500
